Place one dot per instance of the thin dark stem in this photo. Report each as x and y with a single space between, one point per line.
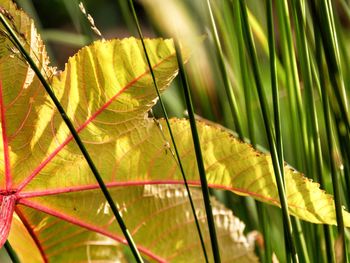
171 133
228 87
199 157
274 83
12 254
322 15
306 70
331 149
76 137
275 93
263 103
245 76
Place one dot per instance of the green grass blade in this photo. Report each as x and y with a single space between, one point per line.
206 198
227 83
198 151
264 217
305 61
67 38
246 83
274 83
12 254
76 137
127 17
323 15
331 149
300 142
263 103
249 96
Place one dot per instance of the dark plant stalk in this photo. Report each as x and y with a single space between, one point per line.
300 240
292 84
125 11
232 39
305 61
264 217
246 83
228 87
323 16
76 137
206 199
200 163
248 97
263 103
301 143
331 148
12 254
275 93
274 83
342 135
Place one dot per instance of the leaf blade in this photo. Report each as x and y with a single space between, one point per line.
153 213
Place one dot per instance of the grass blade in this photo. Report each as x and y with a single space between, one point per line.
331 149
227 83
305 62
206 201
300 144
12 254
274 86
198 151
277 168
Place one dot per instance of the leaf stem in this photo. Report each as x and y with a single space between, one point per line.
76 137
132 8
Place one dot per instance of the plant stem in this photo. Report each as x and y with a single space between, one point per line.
124 8
246 83
200 163
76 137
277 168
300 143
323 15
274 83
249 97
209 213
265 231
227 83
12 254
305 61
331 149
274 86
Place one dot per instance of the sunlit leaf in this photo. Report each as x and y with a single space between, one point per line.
158 216
107 91
104 85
